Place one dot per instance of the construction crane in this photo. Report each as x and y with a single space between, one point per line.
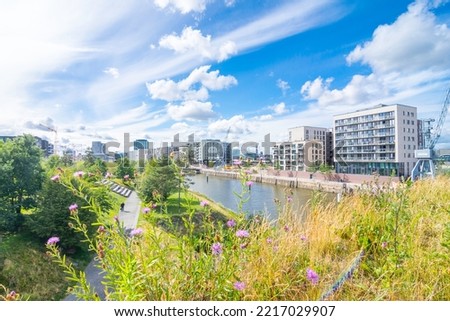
55 152
425 166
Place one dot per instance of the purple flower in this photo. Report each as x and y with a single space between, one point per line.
289 199
145 210
136 232
11 296
204 203
286 228
239 285
55 178
108 175
312 276
101 229
384 245
78 174
216 248
53 240
303 238
126 177
154 205
242 233
231 223
243 246
269 240
249 183
73 207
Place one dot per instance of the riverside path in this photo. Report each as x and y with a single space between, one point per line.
129 217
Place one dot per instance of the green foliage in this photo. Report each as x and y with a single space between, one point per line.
52 162
52 217
66 160
160 180
21 177
88 158
10 220
124 168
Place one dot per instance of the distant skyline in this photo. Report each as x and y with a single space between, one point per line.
234 69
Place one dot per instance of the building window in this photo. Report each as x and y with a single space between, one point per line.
408 113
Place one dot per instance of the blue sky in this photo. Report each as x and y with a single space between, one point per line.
94 70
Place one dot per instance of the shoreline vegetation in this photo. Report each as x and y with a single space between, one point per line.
380 242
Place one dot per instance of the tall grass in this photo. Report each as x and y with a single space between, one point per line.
400 238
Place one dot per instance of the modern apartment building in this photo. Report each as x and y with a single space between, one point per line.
213 150
381 139
306 147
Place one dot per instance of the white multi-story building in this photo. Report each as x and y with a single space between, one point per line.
306 147
381 139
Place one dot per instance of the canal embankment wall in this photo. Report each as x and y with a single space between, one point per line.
314 181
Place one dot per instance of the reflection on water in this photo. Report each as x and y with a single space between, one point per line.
262 196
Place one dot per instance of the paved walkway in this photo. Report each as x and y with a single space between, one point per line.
129 217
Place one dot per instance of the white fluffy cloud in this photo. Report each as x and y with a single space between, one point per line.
193 40
190 110
414 42
170 90
279 109
283 85
113 72
407 54
183 6
235 125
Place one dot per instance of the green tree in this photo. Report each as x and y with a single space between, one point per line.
52 217
159 178
88 158
52 162
99 167
67 160
21 177
125 167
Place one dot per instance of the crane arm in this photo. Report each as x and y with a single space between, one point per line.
441 121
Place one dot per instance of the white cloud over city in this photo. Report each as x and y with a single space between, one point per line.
193 40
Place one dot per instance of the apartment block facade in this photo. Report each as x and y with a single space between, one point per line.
213 150
381 139
306 147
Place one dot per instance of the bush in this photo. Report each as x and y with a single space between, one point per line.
10 220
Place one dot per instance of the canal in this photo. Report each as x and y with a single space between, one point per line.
262 196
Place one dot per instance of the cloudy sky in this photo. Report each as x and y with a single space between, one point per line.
225 69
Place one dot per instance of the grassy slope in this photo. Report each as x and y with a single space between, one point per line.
25 268
404 232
